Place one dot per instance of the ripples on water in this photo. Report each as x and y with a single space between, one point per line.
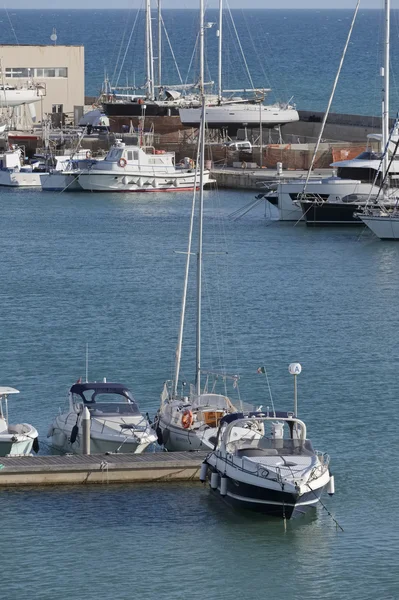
103 269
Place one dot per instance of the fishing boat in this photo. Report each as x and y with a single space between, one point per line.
116 423
191 422
15 440
139 169
266 463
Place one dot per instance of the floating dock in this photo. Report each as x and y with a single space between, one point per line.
100 468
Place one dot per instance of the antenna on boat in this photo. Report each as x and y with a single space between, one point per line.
87 362
295 370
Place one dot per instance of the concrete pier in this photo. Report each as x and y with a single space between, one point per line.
100 468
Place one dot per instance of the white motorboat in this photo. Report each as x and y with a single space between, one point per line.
15 173
65 176
15 440
264 462
116 424
139 169
191 422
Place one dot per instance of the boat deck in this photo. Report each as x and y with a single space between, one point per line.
100 468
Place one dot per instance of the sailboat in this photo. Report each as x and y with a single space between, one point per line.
382 220
234 113
191 422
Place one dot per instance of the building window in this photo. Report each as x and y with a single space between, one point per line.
28 72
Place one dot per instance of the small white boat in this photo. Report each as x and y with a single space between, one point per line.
15 440
139 169
14 173
65 176
116 424
264 462
383 223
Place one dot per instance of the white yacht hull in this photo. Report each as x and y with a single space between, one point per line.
384 227
133 181
9 98
20 179
240 115
100 441
243 489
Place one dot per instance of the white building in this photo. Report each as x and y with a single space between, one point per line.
57 70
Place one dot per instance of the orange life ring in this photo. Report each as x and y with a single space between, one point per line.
187 419
122 162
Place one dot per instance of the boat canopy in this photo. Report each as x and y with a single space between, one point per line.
278 414
109 397
5 390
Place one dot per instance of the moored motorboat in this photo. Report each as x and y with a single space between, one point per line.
264 462
139 169
15 440
116 424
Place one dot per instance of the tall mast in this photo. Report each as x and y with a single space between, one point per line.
149 52
201 77
220 50
159 46
385 100
199 254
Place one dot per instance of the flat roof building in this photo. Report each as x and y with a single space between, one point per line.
58 70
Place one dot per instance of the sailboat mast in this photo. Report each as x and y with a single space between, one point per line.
159 46
220 50
385 100
201 77
149 52
199 254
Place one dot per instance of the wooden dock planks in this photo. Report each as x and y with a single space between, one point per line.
100 468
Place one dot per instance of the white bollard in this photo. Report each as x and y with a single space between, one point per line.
86 431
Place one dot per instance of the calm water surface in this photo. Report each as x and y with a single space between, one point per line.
103 269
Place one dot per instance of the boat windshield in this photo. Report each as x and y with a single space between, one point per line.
108 402
270 447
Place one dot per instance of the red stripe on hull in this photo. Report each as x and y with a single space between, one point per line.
188 189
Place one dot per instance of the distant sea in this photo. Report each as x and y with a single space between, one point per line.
294 52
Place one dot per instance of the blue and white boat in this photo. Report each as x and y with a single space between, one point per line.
116 423
265 462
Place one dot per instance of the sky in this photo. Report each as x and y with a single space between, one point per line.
282 4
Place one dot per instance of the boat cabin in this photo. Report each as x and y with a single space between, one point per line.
103 398
124 158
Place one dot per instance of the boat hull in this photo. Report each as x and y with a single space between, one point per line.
132 182
60 442
60 182
177 439
330 213
269 502
20 179
385 228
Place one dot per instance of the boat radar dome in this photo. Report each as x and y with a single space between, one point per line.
295 368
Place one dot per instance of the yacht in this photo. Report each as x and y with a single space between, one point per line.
265 462
116 424
11 96
139 169
15 440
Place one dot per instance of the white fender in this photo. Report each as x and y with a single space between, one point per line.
331 486
214 480
203 471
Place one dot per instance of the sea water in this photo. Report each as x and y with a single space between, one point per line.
294 52
107 270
